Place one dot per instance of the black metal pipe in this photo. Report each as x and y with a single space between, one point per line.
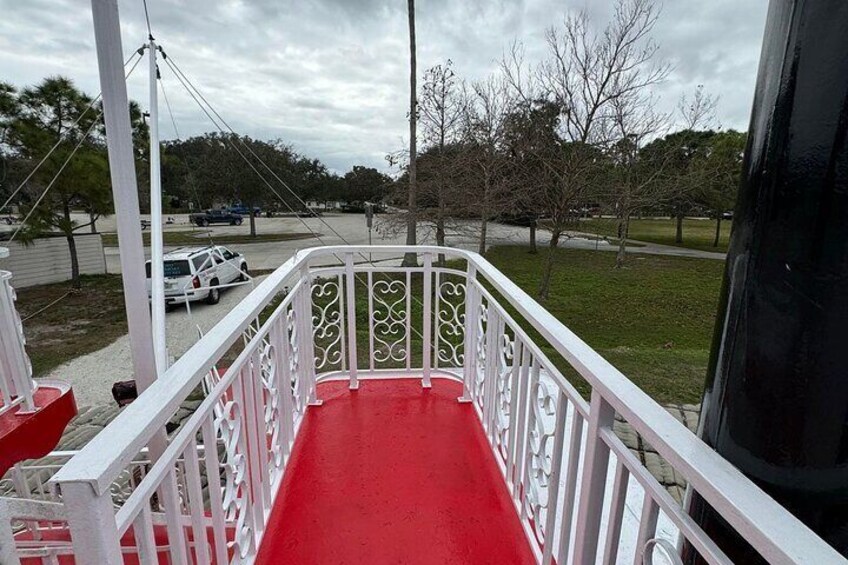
776 397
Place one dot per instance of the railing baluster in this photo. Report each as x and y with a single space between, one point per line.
408 321
531 398
263 487
370 291
195 500
342 324
553 482
173 517
618 499
647 526
521 427
593 482
249 443
216 495
350 281
427 318
437 322
307 337
284 380
512 445
490 379
469 343
145 540
575 442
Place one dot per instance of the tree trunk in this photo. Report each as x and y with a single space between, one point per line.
533 248
411 259
545 285
440 238
678 237
484 225
93 222
623 228
252 214
718 230
72 248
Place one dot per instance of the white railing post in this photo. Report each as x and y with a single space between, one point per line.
472 297
8 551
307 367
16 381
350 281
553 484
490 378
91 518
593 481
427 321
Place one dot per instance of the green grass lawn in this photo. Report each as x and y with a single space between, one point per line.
199 237
83 321
697 234
653 320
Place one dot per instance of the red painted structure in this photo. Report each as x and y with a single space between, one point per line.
34 435
393 473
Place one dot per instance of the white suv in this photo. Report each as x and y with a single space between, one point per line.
195 273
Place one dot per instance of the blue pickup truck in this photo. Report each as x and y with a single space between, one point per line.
215 217
245 210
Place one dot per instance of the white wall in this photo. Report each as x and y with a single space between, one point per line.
48 260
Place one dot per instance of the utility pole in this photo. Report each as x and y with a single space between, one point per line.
776 398
157 264
107 35
411 259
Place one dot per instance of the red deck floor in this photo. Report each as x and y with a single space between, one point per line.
393 473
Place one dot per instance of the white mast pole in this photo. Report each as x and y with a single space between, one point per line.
157 270
110 60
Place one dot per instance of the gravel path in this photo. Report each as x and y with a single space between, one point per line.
92 375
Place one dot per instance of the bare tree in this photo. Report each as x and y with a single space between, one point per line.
411 259
441 109
486 115
636 176
584 72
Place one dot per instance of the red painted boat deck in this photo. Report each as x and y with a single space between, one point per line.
393 473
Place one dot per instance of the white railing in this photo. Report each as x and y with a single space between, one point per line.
16 383
214 481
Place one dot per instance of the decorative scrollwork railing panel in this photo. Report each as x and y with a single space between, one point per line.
328 323
390 319
450 321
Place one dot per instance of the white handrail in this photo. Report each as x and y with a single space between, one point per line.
767 526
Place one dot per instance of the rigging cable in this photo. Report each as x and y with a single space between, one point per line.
183 80
79 144
265 165
147 19
91 105
190 173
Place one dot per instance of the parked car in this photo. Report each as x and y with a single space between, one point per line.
194 273
244 210
215 217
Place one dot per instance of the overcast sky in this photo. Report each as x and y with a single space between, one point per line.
331 78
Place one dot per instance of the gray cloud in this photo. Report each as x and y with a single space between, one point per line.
330 76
